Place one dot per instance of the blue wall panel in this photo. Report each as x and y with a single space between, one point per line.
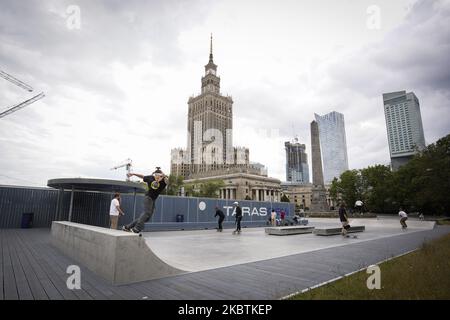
93 208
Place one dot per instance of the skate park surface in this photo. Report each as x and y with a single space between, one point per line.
199 250
252 265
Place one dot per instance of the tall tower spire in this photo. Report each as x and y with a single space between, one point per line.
211 68
210 51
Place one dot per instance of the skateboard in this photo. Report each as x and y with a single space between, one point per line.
139 234
238 232
353 236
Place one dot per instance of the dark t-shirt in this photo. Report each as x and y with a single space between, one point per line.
238 212
154 187
342 213
219 213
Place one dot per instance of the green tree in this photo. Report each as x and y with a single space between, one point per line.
334 190
175 183
349 186
208 189
423 183
377 188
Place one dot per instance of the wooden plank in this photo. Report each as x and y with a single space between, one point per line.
273 283
222 286
155 289
1 264
242 280
9 284
218 289
35 286
35 262
57 278
204 289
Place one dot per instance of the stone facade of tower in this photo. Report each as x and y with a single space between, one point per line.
210 151
210 124
319 198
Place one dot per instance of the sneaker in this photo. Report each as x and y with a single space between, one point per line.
124 228
133 230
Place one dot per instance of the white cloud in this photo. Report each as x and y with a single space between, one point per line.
118 87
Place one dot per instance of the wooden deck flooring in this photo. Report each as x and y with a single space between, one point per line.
31 269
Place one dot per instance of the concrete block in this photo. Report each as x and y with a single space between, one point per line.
334 231
284 231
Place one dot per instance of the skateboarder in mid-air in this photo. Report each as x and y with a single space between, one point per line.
221 218
238 218
156 182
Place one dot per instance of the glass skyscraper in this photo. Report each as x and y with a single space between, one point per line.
333 145
404 126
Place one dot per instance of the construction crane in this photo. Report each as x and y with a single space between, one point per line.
21 105
127 163
23 85
16 81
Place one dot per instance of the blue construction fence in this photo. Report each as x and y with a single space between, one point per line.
44 205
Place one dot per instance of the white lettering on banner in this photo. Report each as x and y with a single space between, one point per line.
263 211
247 211
228 209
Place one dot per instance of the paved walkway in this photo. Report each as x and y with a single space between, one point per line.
31 268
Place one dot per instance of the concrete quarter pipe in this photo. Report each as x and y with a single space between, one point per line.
117 256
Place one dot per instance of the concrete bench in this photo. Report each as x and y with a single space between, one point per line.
334 231
119 257
285 231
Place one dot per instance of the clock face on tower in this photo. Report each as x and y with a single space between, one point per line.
211 71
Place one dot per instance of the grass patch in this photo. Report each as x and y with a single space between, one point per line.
423 274
443 222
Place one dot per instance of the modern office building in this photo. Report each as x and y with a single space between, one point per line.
333 145
403 125
297 169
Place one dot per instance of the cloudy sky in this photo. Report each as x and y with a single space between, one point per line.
117 86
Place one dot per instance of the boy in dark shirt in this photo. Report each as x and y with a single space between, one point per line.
344 219
156 182
221 218
238 218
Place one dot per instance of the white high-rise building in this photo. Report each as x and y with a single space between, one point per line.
404 126
333 145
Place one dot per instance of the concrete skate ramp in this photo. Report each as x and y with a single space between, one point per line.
117 256
199 250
